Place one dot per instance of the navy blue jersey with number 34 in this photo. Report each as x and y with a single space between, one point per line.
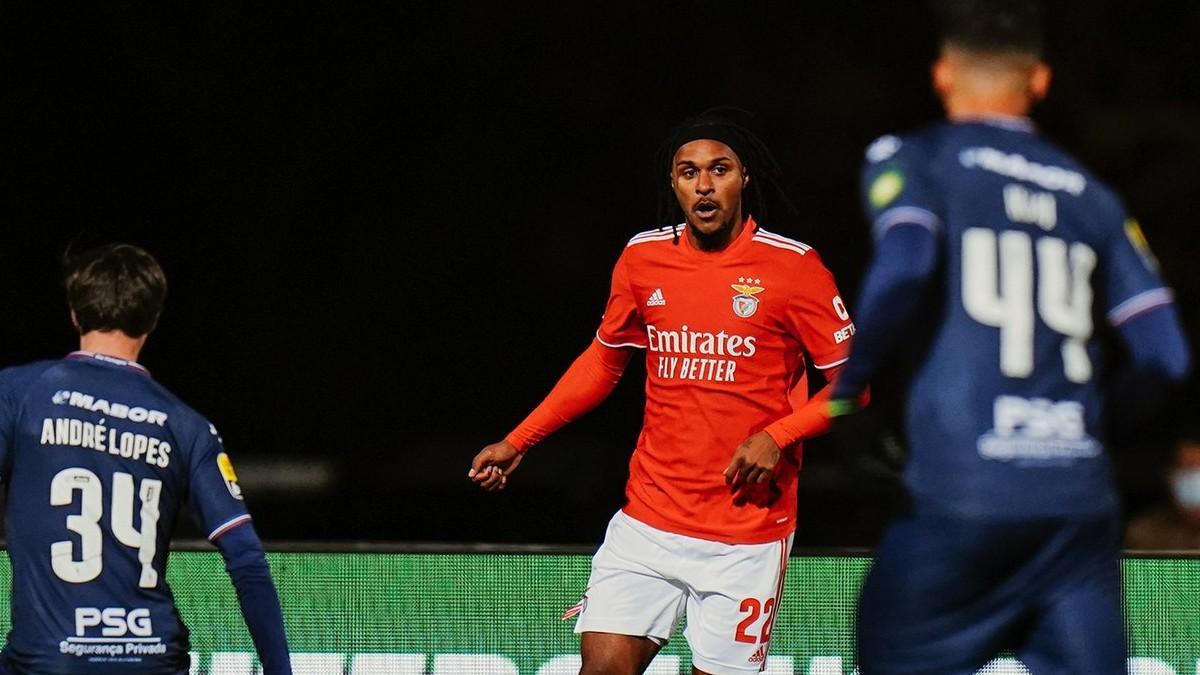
98 459
1004 412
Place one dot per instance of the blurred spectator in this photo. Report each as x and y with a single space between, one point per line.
1174 525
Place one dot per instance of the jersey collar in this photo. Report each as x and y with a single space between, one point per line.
81 355
1010 122
748 228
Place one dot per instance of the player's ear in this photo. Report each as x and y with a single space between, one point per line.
942 74
1039 81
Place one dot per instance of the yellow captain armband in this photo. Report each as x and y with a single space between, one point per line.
839 407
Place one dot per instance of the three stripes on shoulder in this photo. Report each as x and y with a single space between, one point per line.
761 236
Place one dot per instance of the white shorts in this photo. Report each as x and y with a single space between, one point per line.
644 579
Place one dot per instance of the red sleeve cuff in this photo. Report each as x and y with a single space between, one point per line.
518 441
781 437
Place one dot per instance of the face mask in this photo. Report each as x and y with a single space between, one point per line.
1186 485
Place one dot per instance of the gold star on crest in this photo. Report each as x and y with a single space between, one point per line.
748 286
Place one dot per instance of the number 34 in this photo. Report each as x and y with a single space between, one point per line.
87 524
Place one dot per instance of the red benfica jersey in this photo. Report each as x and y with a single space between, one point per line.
727 336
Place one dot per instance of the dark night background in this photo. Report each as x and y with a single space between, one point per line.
389 227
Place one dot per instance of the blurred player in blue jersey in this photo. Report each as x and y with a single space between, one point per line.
97 459
1003 250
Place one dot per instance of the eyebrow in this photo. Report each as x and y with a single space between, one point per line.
688 162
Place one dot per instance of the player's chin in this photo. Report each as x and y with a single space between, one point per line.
707 223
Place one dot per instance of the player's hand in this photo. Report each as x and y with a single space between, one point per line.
491 467
754 461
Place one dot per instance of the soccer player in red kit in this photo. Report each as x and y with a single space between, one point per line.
729 315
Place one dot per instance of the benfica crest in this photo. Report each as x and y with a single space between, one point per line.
744 303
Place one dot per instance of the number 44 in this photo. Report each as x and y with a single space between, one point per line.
998 291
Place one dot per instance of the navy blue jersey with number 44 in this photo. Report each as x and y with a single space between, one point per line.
98 459
1004 413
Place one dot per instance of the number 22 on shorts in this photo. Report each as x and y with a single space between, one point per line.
754 609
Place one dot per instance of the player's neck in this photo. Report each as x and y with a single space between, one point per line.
718 240
112 343
964 108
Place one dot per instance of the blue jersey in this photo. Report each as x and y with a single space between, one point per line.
1004 413
98 459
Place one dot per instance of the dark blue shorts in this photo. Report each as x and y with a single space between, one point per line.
946 595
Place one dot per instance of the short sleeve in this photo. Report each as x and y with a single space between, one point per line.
216 497
817 316
896 188
622 325
1131 282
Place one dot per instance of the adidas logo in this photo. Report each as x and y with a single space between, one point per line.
656 299
760 655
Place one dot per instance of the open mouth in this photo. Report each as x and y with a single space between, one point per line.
705 208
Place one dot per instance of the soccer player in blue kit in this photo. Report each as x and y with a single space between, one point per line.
98 459
1002 248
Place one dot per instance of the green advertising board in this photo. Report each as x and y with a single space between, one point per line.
501 614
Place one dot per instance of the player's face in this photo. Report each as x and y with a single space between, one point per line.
708 178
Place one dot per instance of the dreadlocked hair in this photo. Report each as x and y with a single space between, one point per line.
729 126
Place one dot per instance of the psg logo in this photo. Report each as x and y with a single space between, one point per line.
744 303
